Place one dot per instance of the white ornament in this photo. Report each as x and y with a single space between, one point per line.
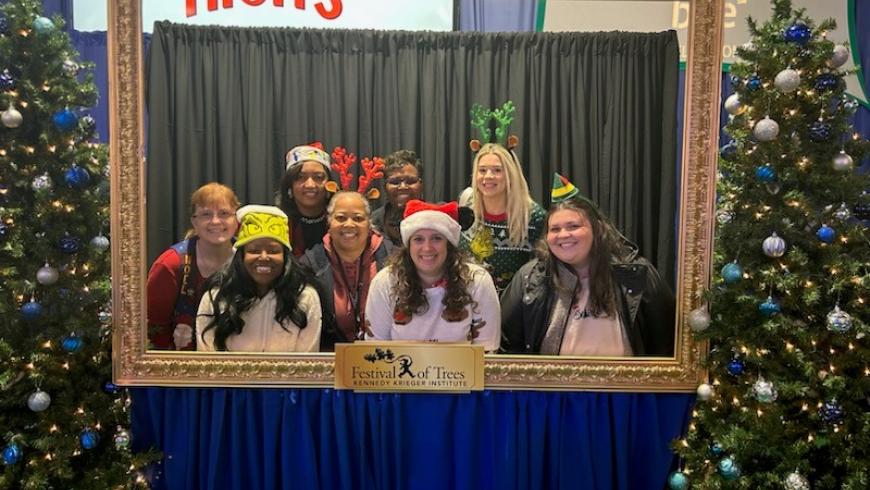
699 319
733 105
41 183
773 246
38 400
11 117
838 320
766 130
787 80
839 57
122 439
705 392
795 481
100 243
842 162
46 275
842 213
764 391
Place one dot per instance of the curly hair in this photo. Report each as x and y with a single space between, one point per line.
408 289
237 293
606 242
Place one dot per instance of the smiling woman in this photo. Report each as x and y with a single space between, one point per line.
402 88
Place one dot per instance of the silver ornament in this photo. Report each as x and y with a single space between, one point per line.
842 162
104 316
773 246
764 391
46 275
122 439
70 67
838 320
38 400
699 319
839 57
41 183
766 130
850 106
842 213
723 216
11 117
772 187
795 481
705 392
733 105
100 243
787 80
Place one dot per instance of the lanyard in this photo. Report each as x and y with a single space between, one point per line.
353 296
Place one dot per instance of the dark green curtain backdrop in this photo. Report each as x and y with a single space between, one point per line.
225 104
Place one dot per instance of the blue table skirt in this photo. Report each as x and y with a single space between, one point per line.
323 438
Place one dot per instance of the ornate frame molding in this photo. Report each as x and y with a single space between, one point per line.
132 365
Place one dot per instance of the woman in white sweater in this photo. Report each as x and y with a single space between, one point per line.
430 291
262 301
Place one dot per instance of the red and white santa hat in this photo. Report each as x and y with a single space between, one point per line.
421 215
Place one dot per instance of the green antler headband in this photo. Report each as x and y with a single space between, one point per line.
503 116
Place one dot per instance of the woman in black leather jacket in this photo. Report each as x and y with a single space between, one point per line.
588 292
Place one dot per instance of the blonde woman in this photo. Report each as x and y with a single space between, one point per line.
507 222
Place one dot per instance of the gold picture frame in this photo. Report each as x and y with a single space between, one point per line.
134 366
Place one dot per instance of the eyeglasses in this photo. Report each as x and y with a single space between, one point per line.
399 180
222 215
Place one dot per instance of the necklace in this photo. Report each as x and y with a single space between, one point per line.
312 221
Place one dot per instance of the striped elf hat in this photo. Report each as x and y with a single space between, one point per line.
562 190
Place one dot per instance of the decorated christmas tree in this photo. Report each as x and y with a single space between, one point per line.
788 402
63 424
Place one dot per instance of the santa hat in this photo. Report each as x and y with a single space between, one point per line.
258 221
420 215
313 152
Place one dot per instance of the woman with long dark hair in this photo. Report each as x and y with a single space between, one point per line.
430 290
263 301
302 195
588 292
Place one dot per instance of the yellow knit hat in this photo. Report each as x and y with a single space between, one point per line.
258 221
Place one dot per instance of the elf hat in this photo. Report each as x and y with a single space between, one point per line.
303 153
421 215
258 221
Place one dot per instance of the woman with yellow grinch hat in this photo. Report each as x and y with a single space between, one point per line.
588 292
262 301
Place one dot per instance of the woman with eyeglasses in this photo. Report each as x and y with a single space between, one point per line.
344 265
302 195
177 277
507 222
402 182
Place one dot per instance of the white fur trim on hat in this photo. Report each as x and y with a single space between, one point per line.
430 220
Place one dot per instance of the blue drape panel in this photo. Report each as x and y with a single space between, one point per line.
323 438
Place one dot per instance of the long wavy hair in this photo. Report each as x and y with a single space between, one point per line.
606 242
408 289
519 201
237 293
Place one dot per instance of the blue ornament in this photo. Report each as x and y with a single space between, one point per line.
798 34
765 173
735 80
31 311
89 438
11 454
753 83
7 81
728 150
728 469
72 343
832 412
732 273
111 388
678 480
820 131
769 307
736 367
42 25
716 449
69 244
65 120
826 234
826 82
77 177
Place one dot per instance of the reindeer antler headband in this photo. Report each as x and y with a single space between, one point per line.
370 169
503 116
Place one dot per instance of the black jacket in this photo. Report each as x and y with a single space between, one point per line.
646 307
